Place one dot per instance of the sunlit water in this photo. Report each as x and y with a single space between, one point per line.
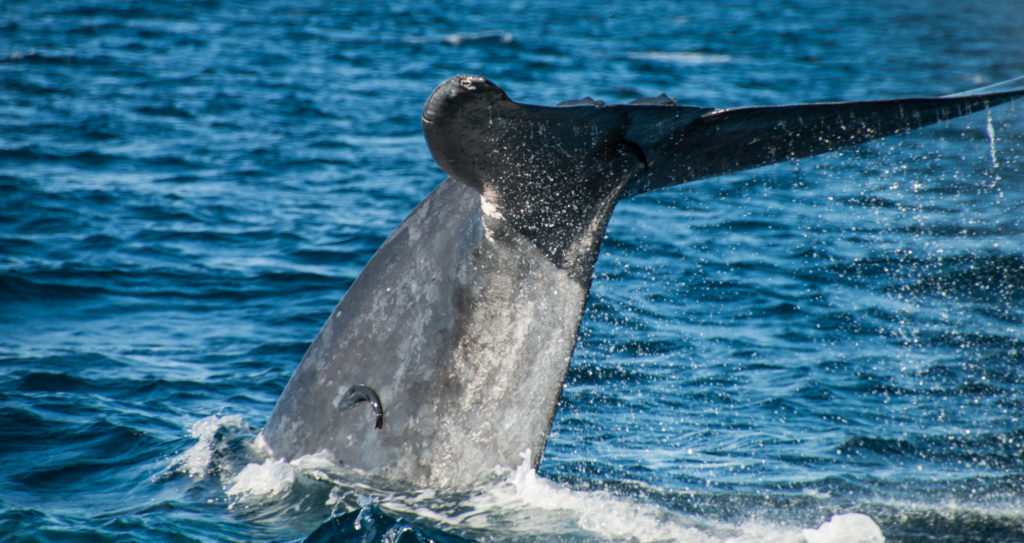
804 352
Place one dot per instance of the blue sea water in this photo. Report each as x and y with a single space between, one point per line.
188 188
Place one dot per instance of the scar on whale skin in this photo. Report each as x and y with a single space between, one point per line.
362 393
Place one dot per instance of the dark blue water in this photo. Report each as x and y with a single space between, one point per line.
187 189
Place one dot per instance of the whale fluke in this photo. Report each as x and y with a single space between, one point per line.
463 324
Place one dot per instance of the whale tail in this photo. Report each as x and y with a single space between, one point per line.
461 327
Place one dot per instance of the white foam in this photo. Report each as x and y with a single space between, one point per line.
524 505
517 504
260 447
197 460
267 480
598 512
273 478
847 528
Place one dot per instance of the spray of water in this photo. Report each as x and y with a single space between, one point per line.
990 129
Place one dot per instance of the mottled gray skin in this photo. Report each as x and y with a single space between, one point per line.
465 320
466 341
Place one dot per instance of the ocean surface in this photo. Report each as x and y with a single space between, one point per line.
823 351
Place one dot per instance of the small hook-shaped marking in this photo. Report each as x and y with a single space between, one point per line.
362 393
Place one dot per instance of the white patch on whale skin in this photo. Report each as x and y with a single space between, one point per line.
489 209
